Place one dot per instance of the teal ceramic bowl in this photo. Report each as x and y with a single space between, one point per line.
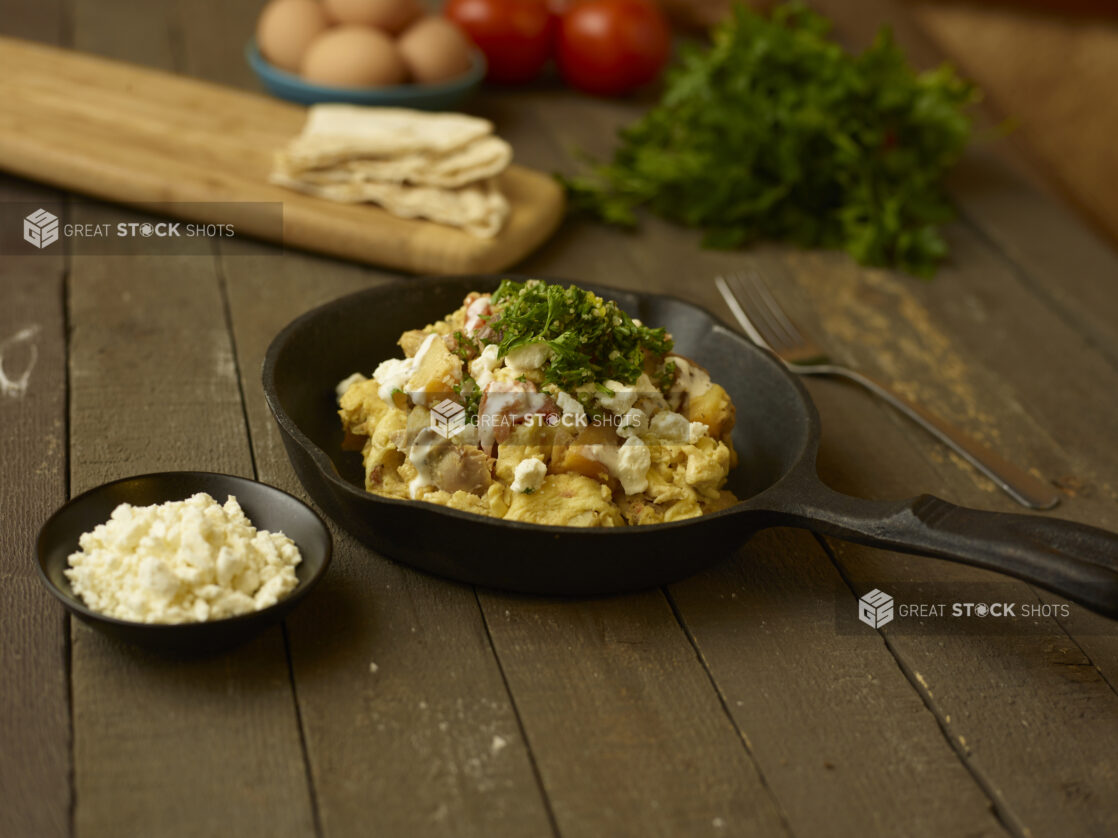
443 96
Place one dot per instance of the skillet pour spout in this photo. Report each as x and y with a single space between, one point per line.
776 437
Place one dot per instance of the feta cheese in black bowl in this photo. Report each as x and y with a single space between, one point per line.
183 562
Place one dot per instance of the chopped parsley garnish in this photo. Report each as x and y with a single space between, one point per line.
591 339
470 395
666 377
463 347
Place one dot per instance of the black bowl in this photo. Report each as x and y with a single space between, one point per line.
267 507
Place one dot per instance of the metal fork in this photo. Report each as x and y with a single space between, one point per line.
772 329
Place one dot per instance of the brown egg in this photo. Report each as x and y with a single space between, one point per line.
353 56
434 49
390 15
286 28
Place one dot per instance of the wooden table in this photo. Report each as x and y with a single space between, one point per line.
396 704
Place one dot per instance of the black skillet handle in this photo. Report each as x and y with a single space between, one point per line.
1070 559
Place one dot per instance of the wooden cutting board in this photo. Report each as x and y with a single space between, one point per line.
145 138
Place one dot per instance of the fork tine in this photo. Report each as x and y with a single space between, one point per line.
752 308
730 297
766 307
795 336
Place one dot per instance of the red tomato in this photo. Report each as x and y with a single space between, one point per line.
516 35
610 47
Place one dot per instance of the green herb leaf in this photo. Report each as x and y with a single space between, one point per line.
775 132
591 339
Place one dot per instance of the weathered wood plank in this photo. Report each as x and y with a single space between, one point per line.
628 734
35 790
408 724
217 53
32 394
843 741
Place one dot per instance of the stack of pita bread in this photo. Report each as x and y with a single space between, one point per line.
438 166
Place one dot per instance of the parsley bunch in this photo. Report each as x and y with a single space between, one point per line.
776 132
591 339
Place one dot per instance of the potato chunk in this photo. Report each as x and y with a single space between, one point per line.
714 409
438 373
584 455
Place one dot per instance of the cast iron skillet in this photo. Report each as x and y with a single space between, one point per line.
776 436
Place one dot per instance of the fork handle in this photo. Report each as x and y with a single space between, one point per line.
1025 488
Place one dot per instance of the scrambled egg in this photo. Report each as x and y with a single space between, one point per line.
457 423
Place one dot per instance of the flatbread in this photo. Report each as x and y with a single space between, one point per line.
478 208
336 133
481 159
438 166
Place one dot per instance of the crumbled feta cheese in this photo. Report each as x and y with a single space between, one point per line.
392 375
529 475
698 431
395 373
671 427
487 360
631 468
624 395
481 367
633 422
569 404
348 382
530 356
182 561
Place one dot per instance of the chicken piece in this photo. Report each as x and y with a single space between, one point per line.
478 312
451 468
506 404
